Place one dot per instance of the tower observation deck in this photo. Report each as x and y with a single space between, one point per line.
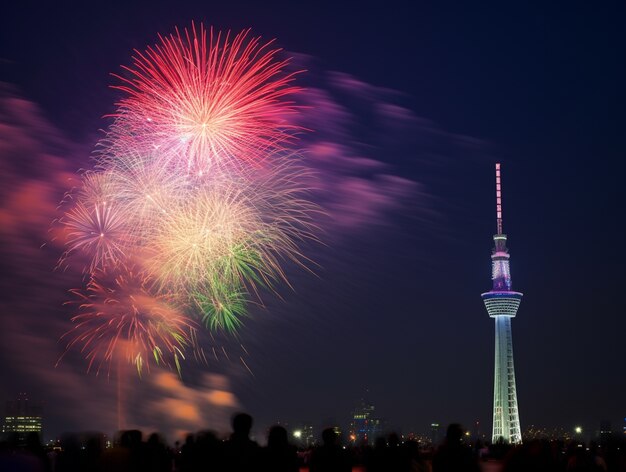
502 304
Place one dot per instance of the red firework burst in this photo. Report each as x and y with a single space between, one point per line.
211 98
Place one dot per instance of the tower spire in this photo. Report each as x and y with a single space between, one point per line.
498 199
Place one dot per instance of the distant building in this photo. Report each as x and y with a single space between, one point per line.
303 436
606 432
364 427
477 433
434 434
23 416
308 439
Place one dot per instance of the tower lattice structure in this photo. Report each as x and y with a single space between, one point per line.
502 304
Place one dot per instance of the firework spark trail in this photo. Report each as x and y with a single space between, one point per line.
147 187
215 102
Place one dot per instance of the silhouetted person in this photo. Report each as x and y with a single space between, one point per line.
127 456
18 459
415 462
158 458
69 460
534 455
580 460
375 460
279 455
186 459
34 447
207 452
330 457
453 456
92 454
241 454
396 459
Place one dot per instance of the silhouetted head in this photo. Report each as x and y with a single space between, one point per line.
329 436
136 437
154 439
454 433
242 424
277 437
130 438
126 439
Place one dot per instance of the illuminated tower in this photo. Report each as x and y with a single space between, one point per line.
502 304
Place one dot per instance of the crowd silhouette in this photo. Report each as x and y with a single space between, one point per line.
205 451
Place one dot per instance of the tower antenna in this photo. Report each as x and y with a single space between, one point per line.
498 198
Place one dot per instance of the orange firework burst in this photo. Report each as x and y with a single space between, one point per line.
122 318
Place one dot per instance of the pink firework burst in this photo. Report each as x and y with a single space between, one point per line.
99 230
211 98
122 319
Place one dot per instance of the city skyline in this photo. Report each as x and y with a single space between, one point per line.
409 107
26 414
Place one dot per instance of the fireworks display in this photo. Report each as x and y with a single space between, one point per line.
194 202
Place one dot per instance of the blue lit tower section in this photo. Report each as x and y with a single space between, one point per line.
502 304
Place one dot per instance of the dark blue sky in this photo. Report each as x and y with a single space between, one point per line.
396 308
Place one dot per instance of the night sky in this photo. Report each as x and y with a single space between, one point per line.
410 105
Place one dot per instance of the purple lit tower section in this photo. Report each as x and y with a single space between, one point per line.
502 304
